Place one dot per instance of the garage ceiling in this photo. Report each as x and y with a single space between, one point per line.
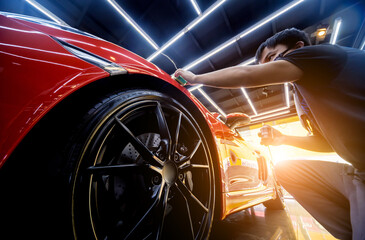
240 24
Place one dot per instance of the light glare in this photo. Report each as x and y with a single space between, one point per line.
249 100
196 7
46 12
362 45
125 15
187 28
254 118
212 102
336 30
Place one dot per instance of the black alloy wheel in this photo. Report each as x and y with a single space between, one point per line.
144 171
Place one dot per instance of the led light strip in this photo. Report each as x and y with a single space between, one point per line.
271 111
254 118
46 12
211 53
133 23
362 45
186 29
336 30
212 102
270 18
243 34
286 90
249 100
248 62
196 7
195 87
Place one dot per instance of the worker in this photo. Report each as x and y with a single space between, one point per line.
329 88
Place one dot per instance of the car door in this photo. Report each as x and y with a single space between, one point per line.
245 173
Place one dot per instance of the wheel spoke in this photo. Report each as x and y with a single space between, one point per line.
189 214
177 133
138 145
149 211
120 168
163 212
187 193
189 167
162 126
188 158
113 168
199 166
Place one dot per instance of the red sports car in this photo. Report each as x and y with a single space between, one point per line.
98 143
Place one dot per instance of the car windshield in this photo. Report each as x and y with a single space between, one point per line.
47 23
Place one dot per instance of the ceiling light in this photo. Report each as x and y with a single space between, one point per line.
125 15
195 87
186 29
321 32
336 29
271 111
248 62
362 44
270 18
171 41
196 7
211 53
244 33
254 118
286 90
248 100
46 12
212 102
205 14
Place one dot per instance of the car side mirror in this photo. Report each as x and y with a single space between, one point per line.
235 120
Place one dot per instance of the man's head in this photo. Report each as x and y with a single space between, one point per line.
284 41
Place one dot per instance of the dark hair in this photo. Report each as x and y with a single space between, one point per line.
288 37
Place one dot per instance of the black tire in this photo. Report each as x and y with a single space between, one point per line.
141 168
277 203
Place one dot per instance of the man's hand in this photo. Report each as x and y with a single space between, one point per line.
270 136
187 75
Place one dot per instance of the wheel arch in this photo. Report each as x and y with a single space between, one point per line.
78 102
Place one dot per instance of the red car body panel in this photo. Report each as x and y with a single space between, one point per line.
27 91
33 55
130 61
37 73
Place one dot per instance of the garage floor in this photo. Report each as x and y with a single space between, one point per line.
257 223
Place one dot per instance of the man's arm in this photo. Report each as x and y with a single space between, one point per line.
312 143
276 72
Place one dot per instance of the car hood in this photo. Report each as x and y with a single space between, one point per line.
112 52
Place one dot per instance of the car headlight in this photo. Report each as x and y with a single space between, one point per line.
111 67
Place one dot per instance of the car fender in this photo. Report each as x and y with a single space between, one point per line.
40 73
